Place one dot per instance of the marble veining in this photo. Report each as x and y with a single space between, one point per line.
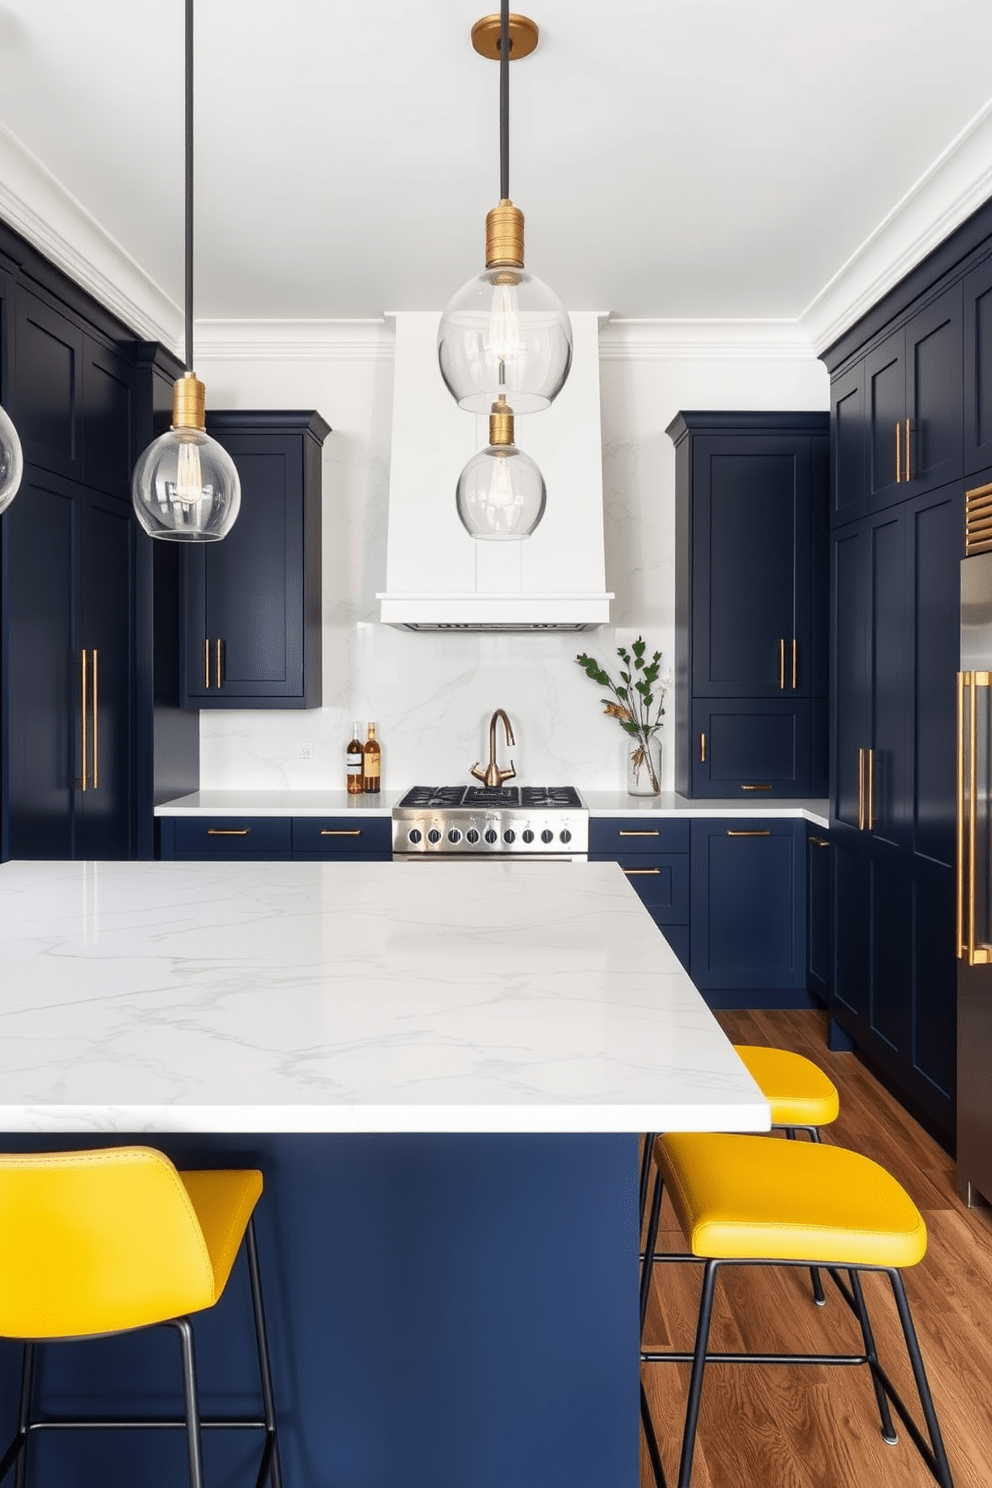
350 997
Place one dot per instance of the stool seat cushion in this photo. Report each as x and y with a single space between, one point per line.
745 1197
797 1090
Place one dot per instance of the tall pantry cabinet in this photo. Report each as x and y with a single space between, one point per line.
911 430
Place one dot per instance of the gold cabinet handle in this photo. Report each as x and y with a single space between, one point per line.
95 694
220 653
968 947
898 454
84 704
639 833
861 790
819 842
332 832
702 749
206 664
795 663
751 832
757 787
870 789
781 666
909 475
633 872
228 831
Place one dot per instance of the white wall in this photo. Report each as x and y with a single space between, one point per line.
433 694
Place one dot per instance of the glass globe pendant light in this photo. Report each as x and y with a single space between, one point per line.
185 486
500 493
11 461
505 334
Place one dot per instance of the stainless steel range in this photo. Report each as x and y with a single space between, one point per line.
528 821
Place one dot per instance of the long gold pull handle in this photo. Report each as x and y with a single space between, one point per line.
870 790
228 831
795 663
861 790
95 684
84 698
781 665
654 833
898 454
909 475
331 832
963 691
819 842
757 787
206 664
702 749
220 652
633 872
754 832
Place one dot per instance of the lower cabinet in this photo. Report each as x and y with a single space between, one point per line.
818 907
276 838
655 857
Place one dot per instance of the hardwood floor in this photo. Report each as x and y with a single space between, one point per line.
816 1426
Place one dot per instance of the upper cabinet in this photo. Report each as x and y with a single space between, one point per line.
252 602
751 591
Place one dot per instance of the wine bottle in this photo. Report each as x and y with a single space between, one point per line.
354 762
372 763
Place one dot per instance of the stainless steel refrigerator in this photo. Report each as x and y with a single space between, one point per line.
974 863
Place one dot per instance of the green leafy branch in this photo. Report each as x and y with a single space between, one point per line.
640 690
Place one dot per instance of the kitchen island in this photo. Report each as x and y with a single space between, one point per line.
440 1070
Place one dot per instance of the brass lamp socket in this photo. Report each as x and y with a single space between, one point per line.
505 237
189 403
501 423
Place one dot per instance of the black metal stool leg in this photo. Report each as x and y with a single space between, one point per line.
17 1450
889 1433
645 1172
652 1441
269 1467
696 1378
650 1245
940 1466
194 1446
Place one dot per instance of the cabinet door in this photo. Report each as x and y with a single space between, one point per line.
750 750
850 931
887 778
885 393
108 415
818 912
850 690
977 290
42 680
751 564
934 389
47 386
935 547
747 903
104 632
848 446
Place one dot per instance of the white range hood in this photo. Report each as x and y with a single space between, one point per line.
440 578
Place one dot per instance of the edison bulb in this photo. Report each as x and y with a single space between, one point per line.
501 494
11 461
186 488
504 334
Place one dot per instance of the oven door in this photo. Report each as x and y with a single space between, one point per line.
489 857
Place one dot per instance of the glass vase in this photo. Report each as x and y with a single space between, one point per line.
644 767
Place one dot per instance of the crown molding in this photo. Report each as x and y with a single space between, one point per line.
37 205
666 340
293 340
947 193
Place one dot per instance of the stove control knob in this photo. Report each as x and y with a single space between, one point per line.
491 834
472 836
527 835
454 835
547 835
416 835
509 835
565 835
433 835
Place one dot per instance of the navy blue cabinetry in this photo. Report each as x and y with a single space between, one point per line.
748 911
654 856
252 602
818 913
279 838
751 603
343 837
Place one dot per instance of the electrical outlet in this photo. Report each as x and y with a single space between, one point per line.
304 751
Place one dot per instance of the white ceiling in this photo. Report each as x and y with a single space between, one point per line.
695 158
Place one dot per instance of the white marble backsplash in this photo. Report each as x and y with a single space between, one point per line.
432 694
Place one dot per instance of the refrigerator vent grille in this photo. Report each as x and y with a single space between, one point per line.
978 520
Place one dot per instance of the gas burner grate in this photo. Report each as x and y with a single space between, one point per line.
545 797
491 795
434 795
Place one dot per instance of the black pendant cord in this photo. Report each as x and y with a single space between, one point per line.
504 100
189 185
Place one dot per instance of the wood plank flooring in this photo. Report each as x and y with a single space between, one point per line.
816 1426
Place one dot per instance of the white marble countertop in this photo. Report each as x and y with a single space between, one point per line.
600 803
350 997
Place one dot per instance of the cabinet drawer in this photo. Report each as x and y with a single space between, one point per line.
343 836
661 883
243 837
678 938
620 836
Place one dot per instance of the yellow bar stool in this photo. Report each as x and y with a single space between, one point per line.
745 1201
117 1239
